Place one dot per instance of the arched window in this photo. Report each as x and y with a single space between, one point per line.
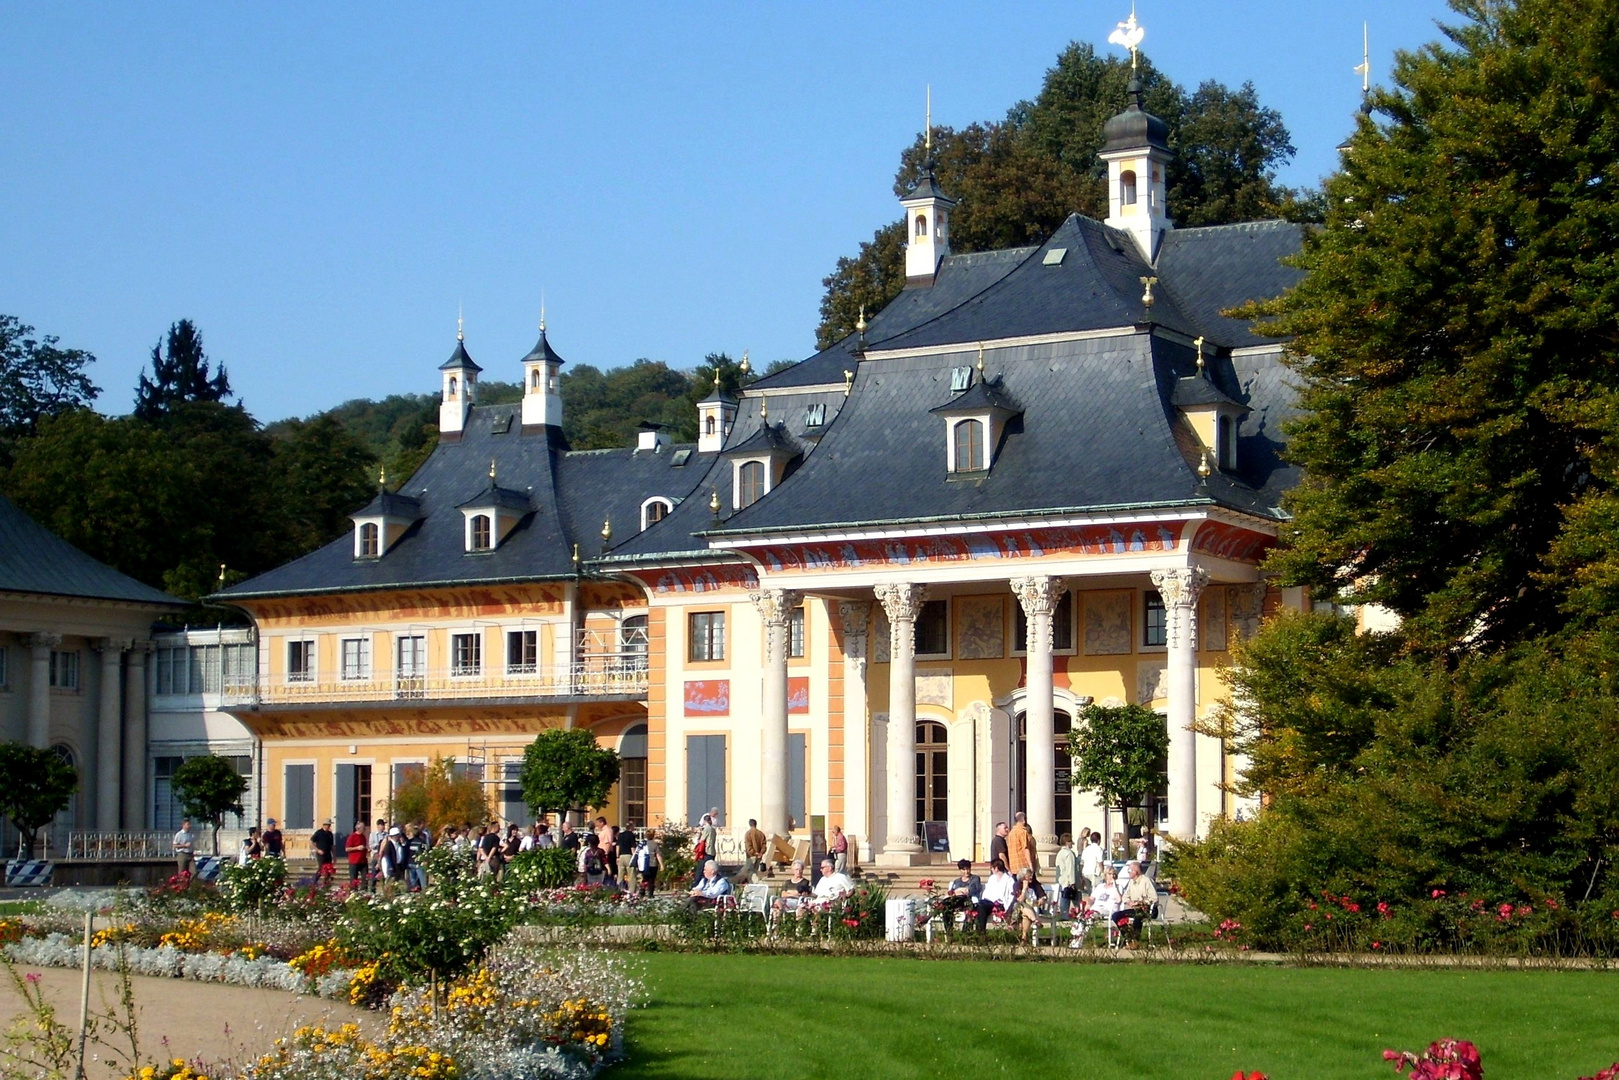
921 226
969 445
536 379
932 773
480 532
1127 188
632 776
632 642
1225 442
752 483
368 540
452 386
654 511
708 425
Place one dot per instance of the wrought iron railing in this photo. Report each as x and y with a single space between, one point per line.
620 677
129 845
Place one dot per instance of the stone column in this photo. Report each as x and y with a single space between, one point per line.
135 737
775 612
106 765
39 688
902 603
1039 597
1180 589
856 616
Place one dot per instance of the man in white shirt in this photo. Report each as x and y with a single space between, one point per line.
832 884
185 846
998 889
1090 863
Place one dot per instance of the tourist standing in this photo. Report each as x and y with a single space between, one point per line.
252 847
1022 852
274 846
374 846
840 850
416 846
570 838
592 866
185 848
323 842
488 852
1090 862
358 852
1067 875
626 858
648 862
708 836
544 838
997 843
753 850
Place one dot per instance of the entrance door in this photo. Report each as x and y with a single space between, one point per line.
932 773
1061 782
353 801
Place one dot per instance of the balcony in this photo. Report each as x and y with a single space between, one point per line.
597 680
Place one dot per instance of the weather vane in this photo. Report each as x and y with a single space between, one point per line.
460 323
927 124
1128 34
1364 68
542 311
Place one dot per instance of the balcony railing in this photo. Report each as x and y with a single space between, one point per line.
591 679
128 845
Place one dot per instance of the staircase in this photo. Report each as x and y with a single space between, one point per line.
905 880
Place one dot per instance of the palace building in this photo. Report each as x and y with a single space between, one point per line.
882 585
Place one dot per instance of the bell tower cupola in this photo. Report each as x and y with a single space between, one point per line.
1136 149
927 216
458 389
542 384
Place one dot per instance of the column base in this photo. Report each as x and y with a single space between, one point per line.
903 858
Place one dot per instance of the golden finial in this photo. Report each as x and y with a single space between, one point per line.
745 367
221 575
860 323
714 502
980 364
1199 343
382 478
1146 296
764 409
491 470
460 323
607 530
848 381
576 555
1203 469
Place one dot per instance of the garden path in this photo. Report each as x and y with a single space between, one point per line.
195 1019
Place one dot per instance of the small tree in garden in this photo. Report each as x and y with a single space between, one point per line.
209 787
565 770
35 786
1116 752
436 795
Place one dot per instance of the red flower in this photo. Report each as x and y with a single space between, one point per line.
1551 903
1437 893
1255 1075
1505 911
1383 908
851 922
1377 944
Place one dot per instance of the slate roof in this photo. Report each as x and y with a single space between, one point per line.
568 495
1199 390
391 504
35 560
984 395
1208 270
542 351
769 439
460 358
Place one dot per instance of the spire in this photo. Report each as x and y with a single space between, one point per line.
542 311
460 323
927 130
1129 34
1135 145
542 393
927 213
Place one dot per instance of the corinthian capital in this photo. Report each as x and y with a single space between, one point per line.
1181 586
1038 595
902 602
776 605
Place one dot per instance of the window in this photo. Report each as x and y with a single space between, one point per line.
206 670
654 511
356 658
1155 627
705 776
932 773
534 379
300 797
300 661
368 540
1062 626
166 810
353 797
1127 188
452 386
241 664
933 628
466 654
632 642
480 533
632 776
708 425
411 660
797 778
921 226
171 669
65 670
751 483
522 652
960 379
513 807
795 633
969 445
705 636
1225 443
815 415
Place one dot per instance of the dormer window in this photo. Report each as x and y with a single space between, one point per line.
1213 415
382 523
655 510
369 540
751 483
479 533
969 439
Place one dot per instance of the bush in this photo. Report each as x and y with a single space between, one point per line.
542 868
253 885
415 934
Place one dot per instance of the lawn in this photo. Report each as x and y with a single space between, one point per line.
810 1016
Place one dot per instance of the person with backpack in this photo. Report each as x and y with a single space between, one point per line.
592 867
648 862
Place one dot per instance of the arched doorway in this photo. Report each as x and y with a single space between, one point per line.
932 773
632 806
1062 779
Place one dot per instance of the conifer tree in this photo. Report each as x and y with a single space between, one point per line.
179 374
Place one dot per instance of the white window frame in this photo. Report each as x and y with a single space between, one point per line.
475 670
66 670
951 423
656 500
312 660
737 466
520 668
360 670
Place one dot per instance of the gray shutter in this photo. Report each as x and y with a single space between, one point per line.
347 812
796 793
705 776
300 797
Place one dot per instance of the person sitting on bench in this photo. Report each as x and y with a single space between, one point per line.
1139 899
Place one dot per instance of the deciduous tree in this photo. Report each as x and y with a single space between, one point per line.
439 796
35 785
37 378
565 770
209 787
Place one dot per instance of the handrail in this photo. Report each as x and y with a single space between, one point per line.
617 676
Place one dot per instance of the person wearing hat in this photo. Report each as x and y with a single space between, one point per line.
324 842
274 845
393 856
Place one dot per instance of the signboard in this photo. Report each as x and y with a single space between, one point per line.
1063 777
936 836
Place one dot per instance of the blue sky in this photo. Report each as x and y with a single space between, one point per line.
319 187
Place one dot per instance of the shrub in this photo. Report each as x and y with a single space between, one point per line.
252 885
542 868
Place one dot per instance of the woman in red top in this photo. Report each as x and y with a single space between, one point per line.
356 845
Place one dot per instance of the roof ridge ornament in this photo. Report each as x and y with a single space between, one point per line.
542 311
848 381
382 480
1200 370
1146 295
1203 468
1128 34
980 364
491 472
460 322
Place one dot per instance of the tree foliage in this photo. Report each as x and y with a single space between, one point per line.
37 379
1454 335
566 770
209 787
1017 179
35 785
180 374
1118 752
439 796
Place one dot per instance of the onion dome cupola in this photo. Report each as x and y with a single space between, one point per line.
927 217
458 389
1135 145
542 385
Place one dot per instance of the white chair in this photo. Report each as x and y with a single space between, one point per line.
756 898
